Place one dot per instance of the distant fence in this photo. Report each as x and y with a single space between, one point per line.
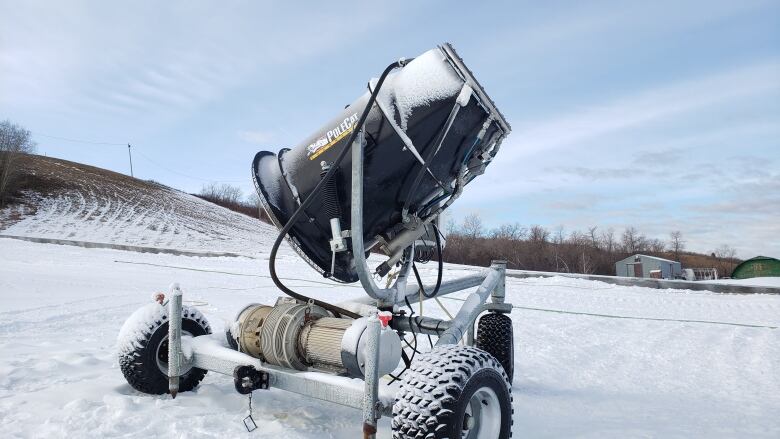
653 283
132 248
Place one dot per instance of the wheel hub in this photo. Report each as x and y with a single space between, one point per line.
161 356
482 419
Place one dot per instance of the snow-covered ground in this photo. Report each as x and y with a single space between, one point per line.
577 375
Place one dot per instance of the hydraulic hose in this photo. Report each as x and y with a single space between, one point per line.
441 268
317 189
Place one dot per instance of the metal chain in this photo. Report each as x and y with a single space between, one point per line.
249 421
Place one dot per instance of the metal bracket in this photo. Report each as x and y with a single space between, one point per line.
503 308
248 379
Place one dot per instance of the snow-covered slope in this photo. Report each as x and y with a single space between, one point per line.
84 203
594 374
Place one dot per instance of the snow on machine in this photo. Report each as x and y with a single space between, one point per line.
374 179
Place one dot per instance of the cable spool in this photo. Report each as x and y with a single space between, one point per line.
280 331
246 331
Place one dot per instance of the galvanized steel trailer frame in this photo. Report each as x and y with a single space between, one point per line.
366 394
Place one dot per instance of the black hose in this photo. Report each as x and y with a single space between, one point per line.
441 259
407 360
294 217
441 268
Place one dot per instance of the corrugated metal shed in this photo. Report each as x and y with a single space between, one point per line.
643 265
760 266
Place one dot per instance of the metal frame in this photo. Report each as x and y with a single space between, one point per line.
367 395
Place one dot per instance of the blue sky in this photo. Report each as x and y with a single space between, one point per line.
660 115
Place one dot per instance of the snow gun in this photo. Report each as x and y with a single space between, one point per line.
370 184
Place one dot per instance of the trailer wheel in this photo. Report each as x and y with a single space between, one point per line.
496 337
143 348
454 392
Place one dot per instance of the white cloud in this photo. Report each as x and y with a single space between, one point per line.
153 58
651 105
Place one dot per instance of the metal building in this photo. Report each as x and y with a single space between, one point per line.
760 266
648 266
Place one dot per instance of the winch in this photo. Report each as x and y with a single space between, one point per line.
302 335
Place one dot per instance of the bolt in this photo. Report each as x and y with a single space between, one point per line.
468 422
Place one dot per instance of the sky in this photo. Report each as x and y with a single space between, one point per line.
659 115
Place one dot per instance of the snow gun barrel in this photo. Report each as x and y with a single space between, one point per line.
431 131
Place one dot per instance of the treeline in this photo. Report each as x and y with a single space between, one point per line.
232 197
592 251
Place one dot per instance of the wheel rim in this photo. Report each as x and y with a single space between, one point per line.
161 355
482 419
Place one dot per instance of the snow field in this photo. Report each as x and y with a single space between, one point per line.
61 309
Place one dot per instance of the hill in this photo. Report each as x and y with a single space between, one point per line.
67 200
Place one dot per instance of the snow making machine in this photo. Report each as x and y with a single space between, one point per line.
373 181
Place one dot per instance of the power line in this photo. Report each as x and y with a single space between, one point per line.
144 156
613 316
147 158
80 141
233 273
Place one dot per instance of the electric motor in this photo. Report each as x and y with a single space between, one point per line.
298 336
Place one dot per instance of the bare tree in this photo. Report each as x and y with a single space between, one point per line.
594 240
725 252
451 227
607 239
538 234
223 193
508 231
727 259
655 245
14 140
676 244
633 241
472 226
253 199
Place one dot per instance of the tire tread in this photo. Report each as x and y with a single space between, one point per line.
424 406
145 377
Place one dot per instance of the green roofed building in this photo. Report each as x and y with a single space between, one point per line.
760 266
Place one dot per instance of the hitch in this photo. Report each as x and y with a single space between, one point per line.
248 379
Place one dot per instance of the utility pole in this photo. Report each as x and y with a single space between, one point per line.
129 154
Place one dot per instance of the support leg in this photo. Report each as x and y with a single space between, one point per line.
174 339
370 413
